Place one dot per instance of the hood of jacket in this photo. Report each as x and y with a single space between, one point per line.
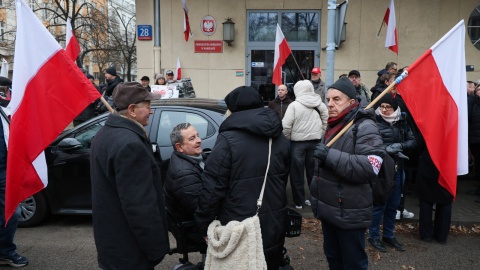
262 122
306 95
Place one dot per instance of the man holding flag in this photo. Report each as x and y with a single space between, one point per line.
40 109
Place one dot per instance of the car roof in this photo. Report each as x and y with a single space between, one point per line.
202 103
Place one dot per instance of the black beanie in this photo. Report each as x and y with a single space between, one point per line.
243 98
345 86
389 99
111 70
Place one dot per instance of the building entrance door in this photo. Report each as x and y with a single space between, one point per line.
260 70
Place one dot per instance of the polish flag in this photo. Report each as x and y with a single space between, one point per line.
440 108
179 70
391 41
40 106
72 48
282 51
186 25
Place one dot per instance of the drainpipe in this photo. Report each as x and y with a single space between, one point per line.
157 50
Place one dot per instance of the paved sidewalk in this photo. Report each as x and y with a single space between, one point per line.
465 211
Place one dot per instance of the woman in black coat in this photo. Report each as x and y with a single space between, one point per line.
234 172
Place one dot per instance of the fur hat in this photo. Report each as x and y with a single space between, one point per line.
243 98
389 99
345 86
131 93
111 70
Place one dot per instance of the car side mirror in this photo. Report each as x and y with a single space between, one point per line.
69 144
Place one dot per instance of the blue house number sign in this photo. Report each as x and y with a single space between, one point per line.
144 32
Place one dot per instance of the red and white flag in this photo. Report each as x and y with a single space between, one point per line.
282 51
391 40
72 48
440 108
186 24
178 72
40 109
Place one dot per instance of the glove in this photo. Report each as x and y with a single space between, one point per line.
320 153
394 148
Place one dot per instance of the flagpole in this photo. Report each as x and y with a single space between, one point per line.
298 66
110 109
388 90
381 25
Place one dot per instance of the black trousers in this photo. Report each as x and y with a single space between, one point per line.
301 153
439 228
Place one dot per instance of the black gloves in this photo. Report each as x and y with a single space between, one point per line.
394 148
320 153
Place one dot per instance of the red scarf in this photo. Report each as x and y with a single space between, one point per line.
335 124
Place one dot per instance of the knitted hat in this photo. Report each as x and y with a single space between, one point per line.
159 76
5 81
128 93
389 99
243 98
111 70
89 76
345 86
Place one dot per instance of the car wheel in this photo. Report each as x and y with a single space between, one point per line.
33 210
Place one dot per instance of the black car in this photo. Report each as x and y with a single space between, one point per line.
68 157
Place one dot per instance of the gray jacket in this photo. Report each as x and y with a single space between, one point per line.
341 192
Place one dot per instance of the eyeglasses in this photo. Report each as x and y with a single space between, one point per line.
386 107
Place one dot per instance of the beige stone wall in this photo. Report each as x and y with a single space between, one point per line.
420 24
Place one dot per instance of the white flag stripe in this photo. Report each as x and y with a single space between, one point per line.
391 25
29 40
454 80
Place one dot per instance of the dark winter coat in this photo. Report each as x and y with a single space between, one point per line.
280 106
129 220
399 132
340 190
234 173
111 86
377 90
474 119
182 185
426 182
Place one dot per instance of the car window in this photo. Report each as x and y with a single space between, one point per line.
169 119
85 135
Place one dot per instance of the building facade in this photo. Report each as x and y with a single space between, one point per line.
249 59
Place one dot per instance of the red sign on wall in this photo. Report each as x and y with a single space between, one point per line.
208 46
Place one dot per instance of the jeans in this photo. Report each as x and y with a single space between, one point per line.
387 211
344 249
301 161
7 247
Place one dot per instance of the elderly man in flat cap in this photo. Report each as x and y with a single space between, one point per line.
129 220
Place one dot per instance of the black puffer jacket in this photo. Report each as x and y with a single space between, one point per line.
111 86
399 132
182 185
341 192
234 173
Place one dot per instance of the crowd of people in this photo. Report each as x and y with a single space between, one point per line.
129 197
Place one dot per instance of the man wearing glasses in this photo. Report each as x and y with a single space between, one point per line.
391 68
354 77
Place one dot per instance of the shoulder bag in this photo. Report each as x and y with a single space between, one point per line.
238 245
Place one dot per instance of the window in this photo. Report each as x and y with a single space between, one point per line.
473 27
95 75
45 10
32 4
86 135
2 31
94 5
297 26
94 59
169 119
101 9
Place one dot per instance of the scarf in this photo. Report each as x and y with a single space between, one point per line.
335 124
392 118
199 160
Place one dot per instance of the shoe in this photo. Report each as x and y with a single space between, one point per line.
298 206
393 243
377 244
407 214
307 202
15 260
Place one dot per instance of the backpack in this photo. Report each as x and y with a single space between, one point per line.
382 185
